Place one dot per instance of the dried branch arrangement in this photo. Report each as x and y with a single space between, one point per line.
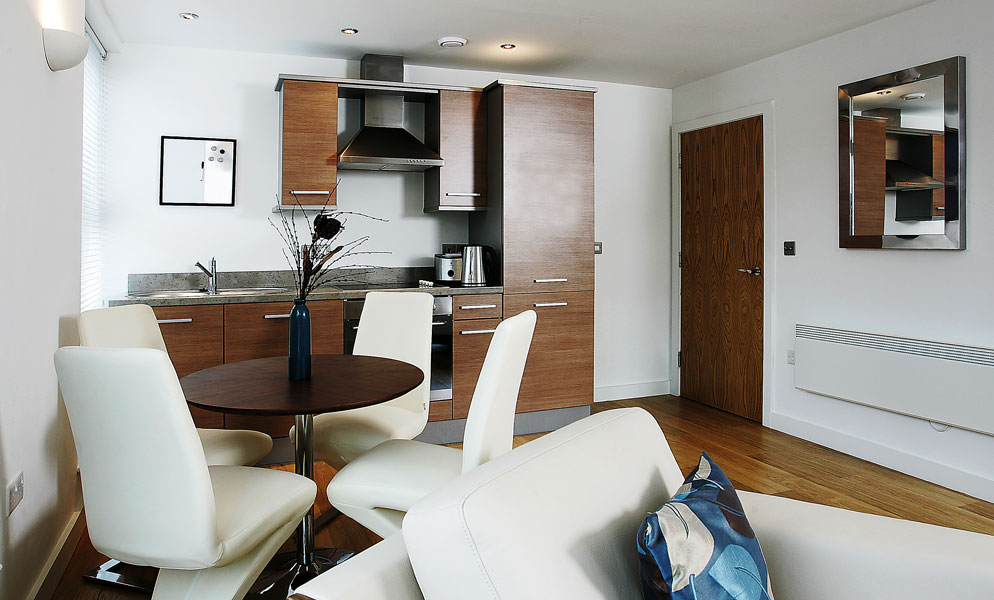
313 262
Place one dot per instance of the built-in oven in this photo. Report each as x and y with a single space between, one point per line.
441 342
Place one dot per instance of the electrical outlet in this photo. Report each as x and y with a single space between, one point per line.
790 357
15 492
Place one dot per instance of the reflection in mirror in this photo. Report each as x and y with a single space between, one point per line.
197 171
902 158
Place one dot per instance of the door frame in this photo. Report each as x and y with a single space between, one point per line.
770 241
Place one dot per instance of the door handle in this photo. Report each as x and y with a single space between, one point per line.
756 271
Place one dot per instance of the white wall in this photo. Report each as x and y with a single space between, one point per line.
40 186
157 90
934 295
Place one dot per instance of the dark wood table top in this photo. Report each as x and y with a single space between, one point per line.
338 382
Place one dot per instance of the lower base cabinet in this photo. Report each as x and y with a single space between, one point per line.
262 330
559 372
194 337
470 341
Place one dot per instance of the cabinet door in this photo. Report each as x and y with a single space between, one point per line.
560 367
477 306
261 330
470 342
309 151
548 189
461 184
194 340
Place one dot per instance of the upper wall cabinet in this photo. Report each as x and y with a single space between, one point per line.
309 149
456 128
902 159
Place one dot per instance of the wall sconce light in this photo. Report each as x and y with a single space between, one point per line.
63 49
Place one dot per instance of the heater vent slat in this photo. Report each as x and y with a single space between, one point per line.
941 350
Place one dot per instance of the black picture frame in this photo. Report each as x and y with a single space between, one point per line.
234 168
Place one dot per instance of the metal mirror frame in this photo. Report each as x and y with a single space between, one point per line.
953 71
162 168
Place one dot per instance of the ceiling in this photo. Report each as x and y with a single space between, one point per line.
662 43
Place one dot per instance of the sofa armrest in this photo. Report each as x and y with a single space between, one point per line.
817 552
381 572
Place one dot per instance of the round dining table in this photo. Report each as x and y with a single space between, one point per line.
262 387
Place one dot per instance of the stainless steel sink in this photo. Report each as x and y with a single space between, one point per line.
256 291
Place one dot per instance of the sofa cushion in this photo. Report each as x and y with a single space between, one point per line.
700 546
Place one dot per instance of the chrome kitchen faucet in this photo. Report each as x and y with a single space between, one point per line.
211 276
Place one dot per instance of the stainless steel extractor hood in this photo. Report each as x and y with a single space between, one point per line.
383 144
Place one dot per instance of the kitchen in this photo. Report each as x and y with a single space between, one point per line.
242 239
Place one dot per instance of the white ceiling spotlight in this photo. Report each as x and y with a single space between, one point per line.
451 41
508 46
189 16
350 31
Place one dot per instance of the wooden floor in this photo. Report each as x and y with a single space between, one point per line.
755 458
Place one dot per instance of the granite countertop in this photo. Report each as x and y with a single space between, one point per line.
383 279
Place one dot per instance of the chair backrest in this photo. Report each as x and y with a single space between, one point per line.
554 518
130 326
397 325
146 486
490 422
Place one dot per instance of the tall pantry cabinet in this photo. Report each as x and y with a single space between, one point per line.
540 218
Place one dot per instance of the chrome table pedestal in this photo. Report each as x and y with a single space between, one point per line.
289 570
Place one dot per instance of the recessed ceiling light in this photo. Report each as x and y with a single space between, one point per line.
508 46
189 16
914 96
451 41
350 31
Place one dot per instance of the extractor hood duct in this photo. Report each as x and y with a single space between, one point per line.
383 144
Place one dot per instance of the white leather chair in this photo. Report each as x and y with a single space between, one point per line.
557 518
393 325
150 498
377 488
135 326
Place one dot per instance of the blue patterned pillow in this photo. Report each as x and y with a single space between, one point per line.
699 545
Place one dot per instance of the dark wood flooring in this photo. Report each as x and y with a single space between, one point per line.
755 458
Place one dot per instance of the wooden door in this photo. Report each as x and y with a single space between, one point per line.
261 330
560 369
458 132
721 182
309 151
470 342
547 189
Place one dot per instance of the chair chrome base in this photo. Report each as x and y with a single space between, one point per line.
107 574
283 575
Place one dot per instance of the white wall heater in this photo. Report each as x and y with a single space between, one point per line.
937 381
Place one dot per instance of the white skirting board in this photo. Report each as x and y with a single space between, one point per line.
631 390
938 381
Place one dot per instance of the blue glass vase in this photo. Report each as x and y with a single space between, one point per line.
300 340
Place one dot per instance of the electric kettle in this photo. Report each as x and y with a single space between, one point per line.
478 263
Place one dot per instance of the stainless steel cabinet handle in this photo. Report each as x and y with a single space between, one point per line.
435 323
553 280
311 192
756 271
465 194
477 306
477 331
548 304
940 208
356 328
276 317
171 321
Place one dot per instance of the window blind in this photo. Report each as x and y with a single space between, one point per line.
93 176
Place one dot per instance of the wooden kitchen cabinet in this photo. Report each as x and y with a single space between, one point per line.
477 306
456 128
543 167
309 147
261 330
194 338
470 342
560 368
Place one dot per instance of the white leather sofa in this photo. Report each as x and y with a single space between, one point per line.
556 518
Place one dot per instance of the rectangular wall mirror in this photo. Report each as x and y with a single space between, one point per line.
902 159
197 171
